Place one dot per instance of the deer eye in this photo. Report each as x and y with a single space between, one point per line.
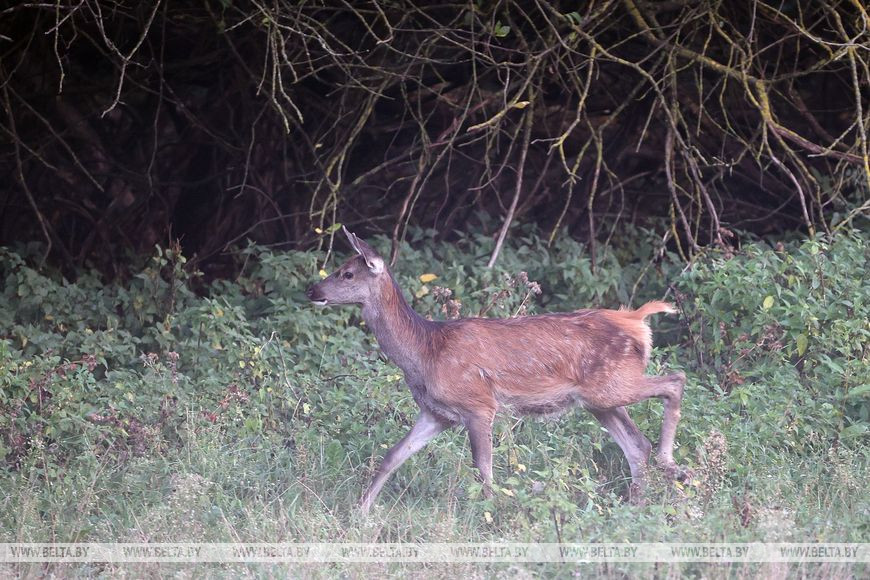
347 275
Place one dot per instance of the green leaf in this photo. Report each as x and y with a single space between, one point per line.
853 431
801 343
859 391
833 365
574 17
768 302
501 30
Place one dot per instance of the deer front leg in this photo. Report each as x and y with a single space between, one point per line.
426 427
480 438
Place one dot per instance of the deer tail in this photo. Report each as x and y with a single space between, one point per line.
651 308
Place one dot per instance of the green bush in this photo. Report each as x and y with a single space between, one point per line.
784 334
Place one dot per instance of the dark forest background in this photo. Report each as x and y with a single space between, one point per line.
129 124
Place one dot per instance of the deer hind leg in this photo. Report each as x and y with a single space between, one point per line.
635 446
670 391
424 430
668 388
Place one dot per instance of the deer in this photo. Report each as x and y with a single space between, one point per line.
461 372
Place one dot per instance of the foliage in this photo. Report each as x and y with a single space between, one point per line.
792 327
260 417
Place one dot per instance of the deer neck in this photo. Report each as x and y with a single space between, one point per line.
403 335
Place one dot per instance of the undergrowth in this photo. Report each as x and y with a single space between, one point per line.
141 410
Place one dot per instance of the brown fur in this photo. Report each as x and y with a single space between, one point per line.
541 364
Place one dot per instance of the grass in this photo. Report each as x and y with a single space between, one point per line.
218 488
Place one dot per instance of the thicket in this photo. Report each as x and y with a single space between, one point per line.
126 124
776 336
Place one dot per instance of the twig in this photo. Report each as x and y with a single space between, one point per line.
527 137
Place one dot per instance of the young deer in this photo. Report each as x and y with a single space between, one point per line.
462 371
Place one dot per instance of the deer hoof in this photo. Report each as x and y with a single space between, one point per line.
676 472
636 493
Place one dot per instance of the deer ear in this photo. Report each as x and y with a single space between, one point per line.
352 239
375 263
373 260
